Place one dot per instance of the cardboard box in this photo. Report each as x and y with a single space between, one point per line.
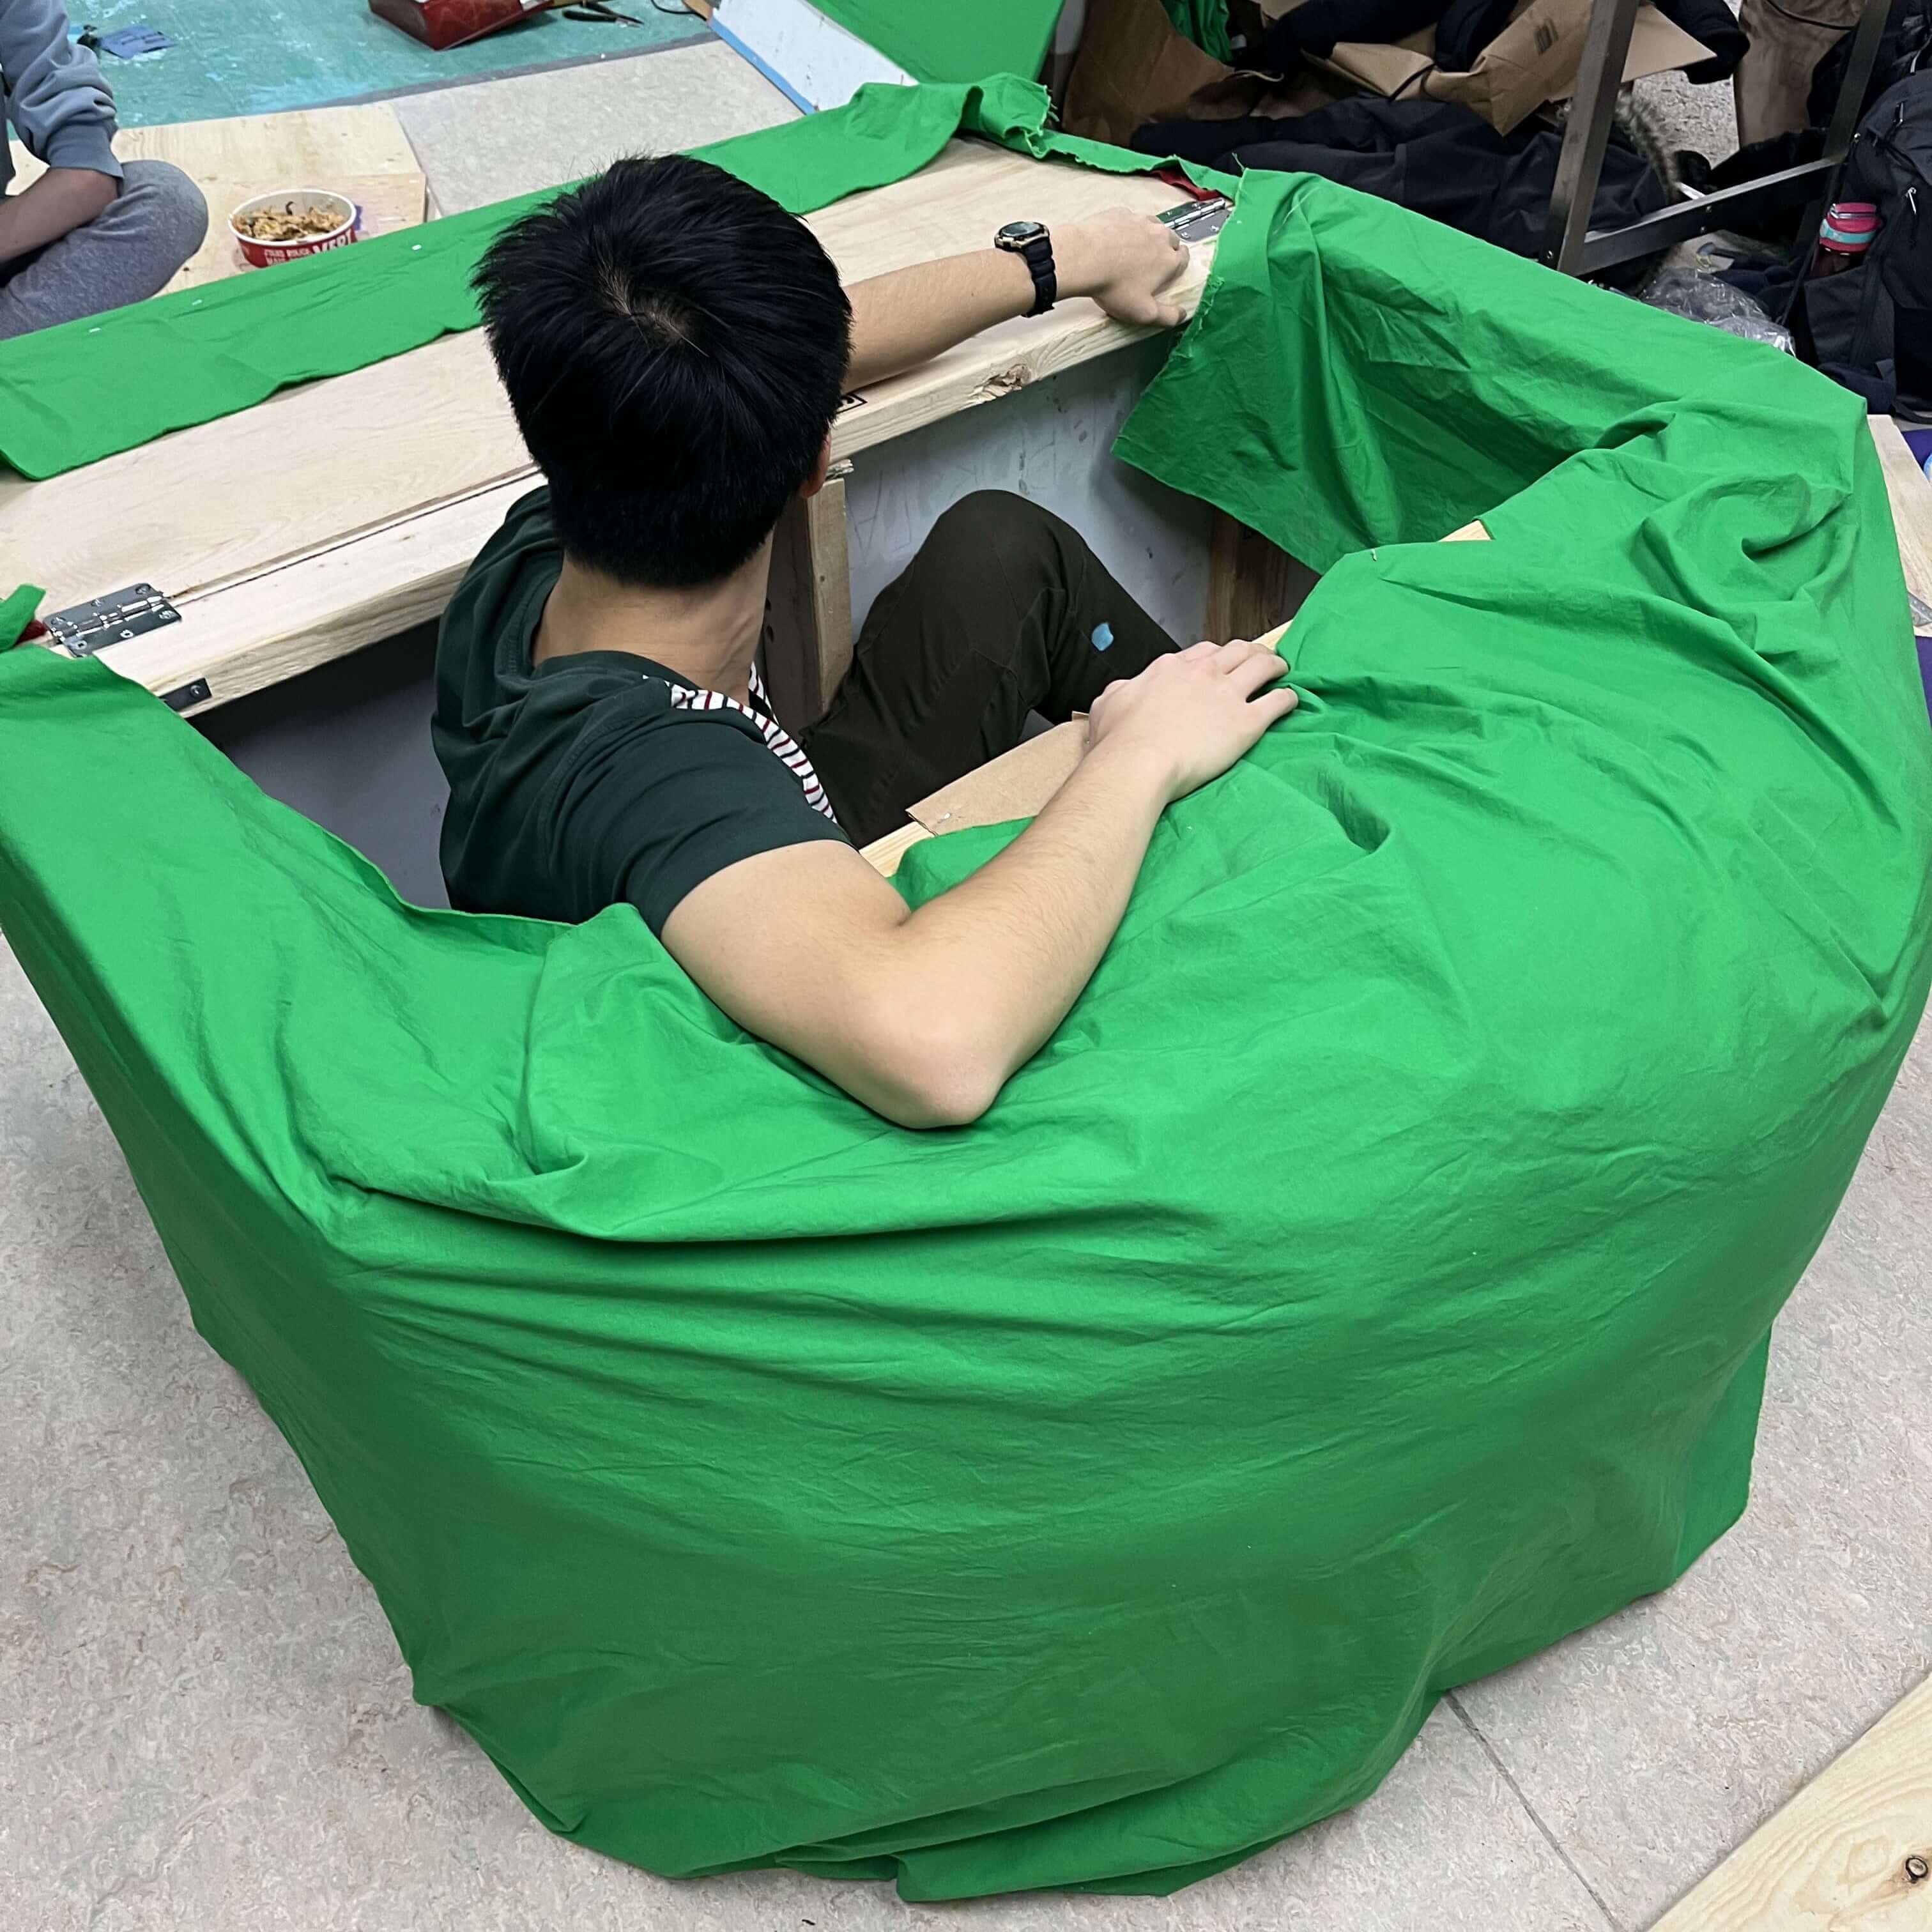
1533 60
1132 67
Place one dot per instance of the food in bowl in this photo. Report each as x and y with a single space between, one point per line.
291 222
287 223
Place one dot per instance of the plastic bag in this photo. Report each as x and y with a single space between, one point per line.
1705 299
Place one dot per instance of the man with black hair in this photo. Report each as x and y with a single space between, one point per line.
675 345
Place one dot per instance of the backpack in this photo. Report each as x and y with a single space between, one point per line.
1882 309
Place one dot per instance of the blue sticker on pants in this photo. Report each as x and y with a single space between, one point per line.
1103 636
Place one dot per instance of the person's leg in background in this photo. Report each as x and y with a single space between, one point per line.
126 253
1004 611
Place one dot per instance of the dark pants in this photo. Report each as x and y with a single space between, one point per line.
1004 611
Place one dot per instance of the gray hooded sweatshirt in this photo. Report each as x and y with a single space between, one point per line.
52 92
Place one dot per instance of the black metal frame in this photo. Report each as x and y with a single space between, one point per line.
1573 246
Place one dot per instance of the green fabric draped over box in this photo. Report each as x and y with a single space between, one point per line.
955 41
1369 1282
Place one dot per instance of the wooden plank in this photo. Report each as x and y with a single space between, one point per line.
831 560
1911 494
312 465
362 152
1853 1849
807 640
885 854
280 622
293 476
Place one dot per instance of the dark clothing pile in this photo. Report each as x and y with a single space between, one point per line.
1464 28
1439 158
1868 326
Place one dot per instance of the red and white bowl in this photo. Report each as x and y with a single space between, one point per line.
265 254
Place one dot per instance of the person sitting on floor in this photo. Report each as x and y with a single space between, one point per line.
675 345
93 232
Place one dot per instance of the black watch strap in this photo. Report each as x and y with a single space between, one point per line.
1034 246
1039 257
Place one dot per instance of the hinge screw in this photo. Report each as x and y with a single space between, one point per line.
1916 1870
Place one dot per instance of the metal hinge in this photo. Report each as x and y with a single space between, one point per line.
1199 221
84 628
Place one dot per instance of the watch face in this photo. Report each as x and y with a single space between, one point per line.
1016 234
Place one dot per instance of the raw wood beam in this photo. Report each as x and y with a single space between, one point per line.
807 644
1851 1852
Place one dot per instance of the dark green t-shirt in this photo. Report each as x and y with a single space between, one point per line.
578 784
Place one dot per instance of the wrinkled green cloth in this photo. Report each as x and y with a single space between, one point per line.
1205 23
952 42
90 388
1369 1283
17 613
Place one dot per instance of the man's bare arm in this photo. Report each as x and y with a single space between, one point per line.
1122 260
924 1015
61 200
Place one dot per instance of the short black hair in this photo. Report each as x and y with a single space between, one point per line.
674 345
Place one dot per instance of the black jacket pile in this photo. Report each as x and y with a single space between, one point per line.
1434 156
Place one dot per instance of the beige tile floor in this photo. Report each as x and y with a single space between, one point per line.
204 1722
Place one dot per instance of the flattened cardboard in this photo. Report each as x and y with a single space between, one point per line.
1133 67
1014 785
1533 60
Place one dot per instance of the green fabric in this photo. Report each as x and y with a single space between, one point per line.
1370 1282
90 388
1205 23
953 41
578 783
17 613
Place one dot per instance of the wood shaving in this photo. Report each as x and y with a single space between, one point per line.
287 223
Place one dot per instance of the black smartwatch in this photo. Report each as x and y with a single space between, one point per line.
1031 242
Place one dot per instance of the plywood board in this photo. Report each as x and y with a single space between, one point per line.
313 466
1853 1849
1911 494
362 152
275 624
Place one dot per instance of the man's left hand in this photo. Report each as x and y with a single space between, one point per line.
1123 260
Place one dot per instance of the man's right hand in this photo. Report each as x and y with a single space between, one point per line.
1192 715
1124 260
924 1016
